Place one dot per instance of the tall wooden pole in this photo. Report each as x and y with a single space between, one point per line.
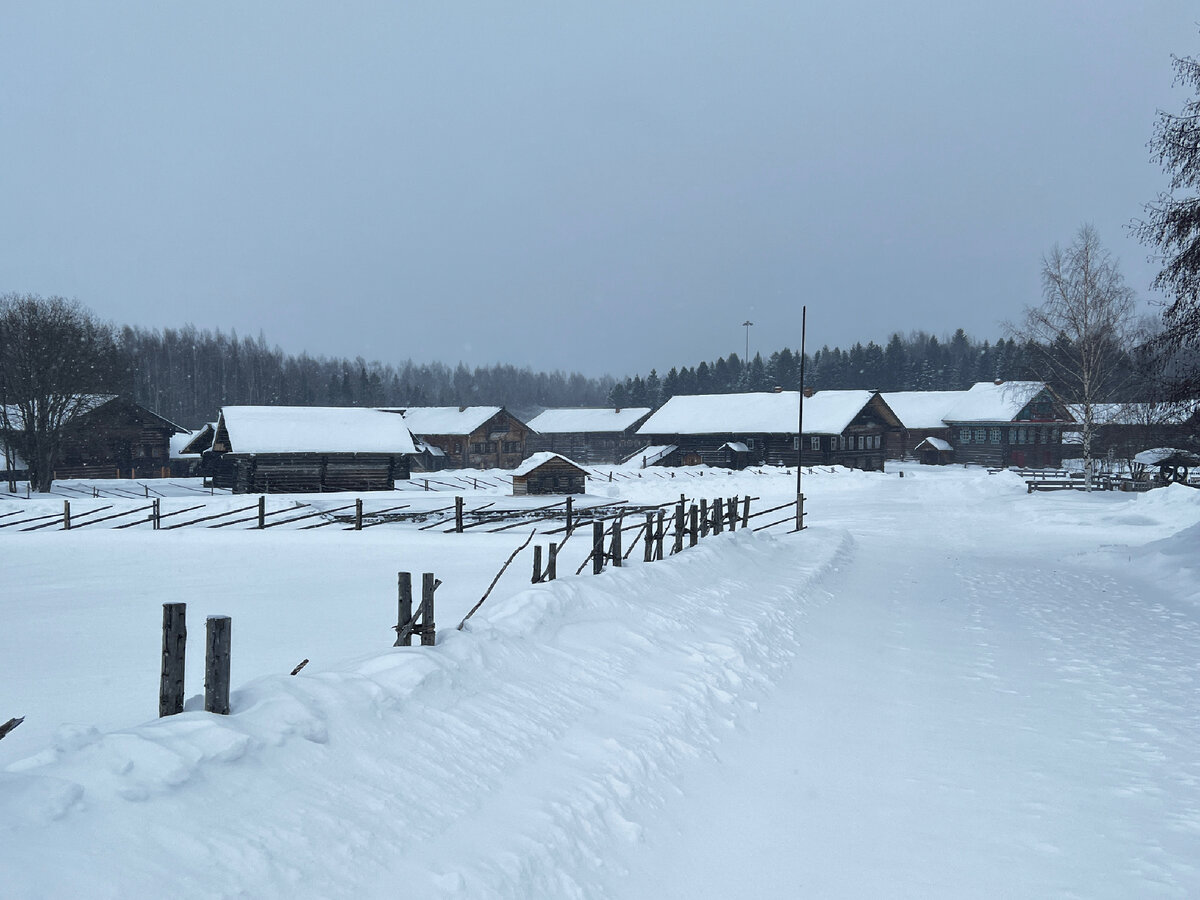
800 426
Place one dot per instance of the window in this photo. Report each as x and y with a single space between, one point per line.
878 441
814 443
994 435
980 436
796 443
512 446
749 443
862 442
964 435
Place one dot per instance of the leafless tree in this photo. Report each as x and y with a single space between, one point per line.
54 358
1081 333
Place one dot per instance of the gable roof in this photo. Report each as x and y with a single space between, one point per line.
444 419
991 402
825 412
540 459
85 404
922 409
564 421
1152 413
313 429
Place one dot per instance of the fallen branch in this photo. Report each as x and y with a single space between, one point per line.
10 725
507 563
303 663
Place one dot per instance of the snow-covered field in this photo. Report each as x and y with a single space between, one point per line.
945 687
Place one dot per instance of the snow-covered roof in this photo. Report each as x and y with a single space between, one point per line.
445 419
565 421
735 446
648 456
542 458
1163 454
1139 413
180 440
991 402
314 429
935 442
922 409
825 412
84 404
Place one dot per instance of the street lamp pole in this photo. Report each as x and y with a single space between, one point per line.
747 325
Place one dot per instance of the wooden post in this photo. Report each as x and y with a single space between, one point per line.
678 545
174 643
615 546
704 523
426 484
732 511
429 584
157 514
746 511
458 514
718 515
358 514
404 615
537 563
570 507
660 532
693 526
648 545
66 515
216 665
552 564
262 511
597 547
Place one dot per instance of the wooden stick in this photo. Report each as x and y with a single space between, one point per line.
303 663
10 725
497 578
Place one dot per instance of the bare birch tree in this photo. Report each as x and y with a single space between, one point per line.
1082 331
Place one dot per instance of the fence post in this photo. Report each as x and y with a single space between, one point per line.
458 514
404 615
552 563
157 514
660 532
66 515
732 511
429 584
358 514
648 546
615 546
537 563
597 546
718 515
426 484
693 526
678 545
174 643
570 507
216 665
746 511
704 523
262 511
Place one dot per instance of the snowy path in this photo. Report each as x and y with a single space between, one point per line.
1013 728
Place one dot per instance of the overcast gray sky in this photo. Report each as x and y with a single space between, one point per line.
601 187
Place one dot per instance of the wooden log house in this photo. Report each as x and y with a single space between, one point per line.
922 415
469 437
276 449
847 428
1125 429
590 436
548 473
1009 423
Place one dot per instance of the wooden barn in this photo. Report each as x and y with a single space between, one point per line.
469 437
1125 429
113 437
1009 423
847 428
548 473
591 436
922 415
278 449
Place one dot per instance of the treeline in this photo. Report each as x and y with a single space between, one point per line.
186 375
918 362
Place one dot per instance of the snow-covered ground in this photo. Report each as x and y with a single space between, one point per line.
945 687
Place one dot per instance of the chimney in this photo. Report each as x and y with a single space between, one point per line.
462 409
618 409
779 389
808 392
998 381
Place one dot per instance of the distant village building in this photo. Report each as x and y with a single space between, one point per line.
922 415
278 449
1125 429
1011 423
548 473
465 437
848 428
591 436
111 437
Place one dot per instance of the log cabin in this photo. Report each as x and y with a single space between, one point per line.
469 437
1125 429
847 428
275 449
1008 423
922 415
590 436
548 473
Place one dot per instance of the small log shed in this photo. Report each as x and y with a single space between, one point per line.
548 473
